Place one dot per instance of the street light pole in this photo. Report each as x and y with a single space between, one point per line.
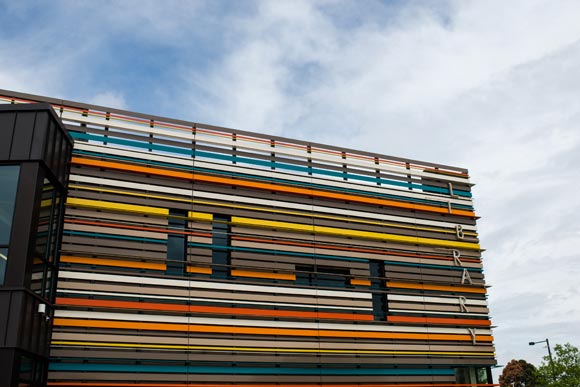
549 354
551 359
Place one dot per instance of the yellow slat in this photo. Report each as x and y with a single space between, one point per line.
104 205
352 233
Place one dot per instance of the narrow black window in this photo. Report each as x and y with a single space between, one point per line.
47 241
176 242
378 287
315 275
305 275
332 276
220 246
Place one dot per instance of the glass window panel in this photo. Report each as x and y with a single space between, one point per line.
44 238
176 243
48 283
37 275
482 376
3 261
221 242
8 186
26 371
462 375
44 220
55 222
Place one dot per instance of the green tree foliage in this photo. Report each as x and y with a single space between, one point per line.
566 372
518 373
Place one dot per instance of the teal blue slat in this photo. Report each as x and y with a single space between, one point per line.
321 256
96 367
109 236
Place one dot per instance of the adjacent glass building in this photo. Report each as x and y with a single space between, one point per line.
194 255
35 151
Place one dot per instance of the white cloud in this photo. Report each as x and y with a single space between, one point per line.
71 50
112 99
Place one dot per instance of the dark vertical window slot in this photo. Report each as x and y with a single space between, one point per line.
220 246
378 287
176 242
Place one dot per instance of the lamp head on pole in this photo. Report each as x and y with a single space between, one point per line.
538 342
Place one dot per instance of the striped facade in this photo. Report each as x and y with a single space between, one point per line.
195 255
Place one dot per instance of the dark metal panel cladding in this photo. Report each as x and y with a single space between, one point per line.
23 133
65 152
15 313
8 366
25 128
41 128
4 306
50 142
7 121
55 161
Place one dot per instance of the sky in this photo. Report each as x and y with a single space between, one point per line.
492 86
